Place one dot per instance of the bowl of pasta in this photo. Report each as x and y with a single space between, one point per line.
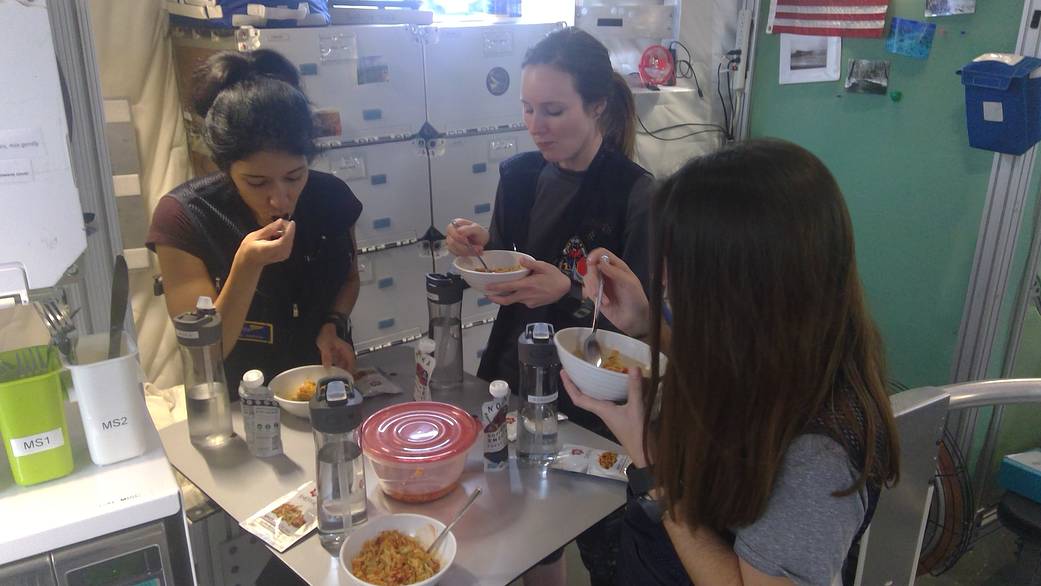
503 266
294 388
391 549
609 381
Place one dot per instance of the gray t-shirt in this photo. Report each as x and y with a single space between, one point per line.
555 190
806 532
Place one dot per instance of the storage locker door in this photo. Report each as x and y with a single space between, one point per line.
372 76
475 340
465 174
473 74
391 305
392 182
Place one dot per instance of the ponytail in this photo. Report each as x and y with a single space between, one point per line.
228 69
618 120
587 61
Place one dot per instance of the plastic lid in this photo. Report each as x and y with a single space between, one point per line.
499 389
418 432
427 346
253 379
205 304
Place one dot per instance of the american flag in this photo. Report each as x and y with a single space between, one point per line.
828 18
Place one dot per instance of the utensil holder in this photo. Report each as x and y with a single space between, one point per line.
111 399
32 415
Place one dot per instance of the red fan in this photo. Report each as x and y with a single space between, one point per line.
656 65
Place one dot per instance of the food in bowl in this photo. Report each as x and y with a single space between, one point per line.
394 559
499 269
305 391
607 384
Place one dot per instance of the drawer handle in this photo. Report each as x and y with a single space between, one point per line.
378 179
482 208
480 168
385 323
381 223
385 282
308 69
483 301
373 114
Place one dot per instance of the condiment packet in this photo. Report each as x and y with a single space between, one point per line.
603 463
287 520
374 381
511 424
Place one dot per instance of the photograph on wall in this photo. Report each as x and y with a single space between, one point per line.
910 38
866 76
805 59
949 7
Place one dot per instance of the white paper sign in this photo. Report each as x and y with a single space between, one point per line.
993 112
22 143
34 444
16 171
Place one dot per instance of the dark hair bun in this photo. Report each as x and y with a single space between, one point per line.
227 69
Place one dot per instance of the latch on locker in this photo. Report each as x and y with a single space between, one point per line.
385 283
385 323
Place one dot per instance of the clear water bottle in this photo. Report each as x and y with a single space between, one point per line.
260 416
335 418
199 336
537 441
445 304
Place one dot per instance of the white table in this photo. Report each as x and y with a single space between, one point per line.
523 515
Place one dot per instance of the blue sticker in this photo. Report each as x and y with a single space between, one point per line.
482 208
255 331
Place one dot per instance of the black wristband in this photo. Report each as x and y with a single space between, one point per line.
342 322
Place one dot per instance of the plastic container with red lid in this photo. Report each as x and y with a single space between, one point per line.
418 449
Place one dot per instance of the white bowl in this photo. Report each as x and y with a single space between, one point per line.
420 527
468 265
285 385
601 383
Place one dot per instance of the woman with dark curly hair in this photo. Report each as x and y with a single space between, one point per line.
268 239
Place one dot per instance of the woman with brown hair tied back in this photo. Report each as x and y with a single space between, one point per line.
579 191
269 240
759 456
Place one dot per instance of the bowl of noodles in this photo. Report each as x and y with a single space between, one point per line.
503 266
294 388
609 382
390 550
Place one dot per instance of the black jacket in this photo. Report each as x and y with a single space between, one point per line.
292 297
596 217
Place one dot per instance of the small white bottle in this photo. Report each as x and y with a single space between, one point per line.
260 416
425 363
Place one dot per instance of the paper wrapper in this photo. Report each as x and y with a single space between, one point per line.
373 381
583 460
287 520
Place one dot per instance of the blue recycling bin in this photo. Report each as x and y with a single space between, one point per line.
1003 102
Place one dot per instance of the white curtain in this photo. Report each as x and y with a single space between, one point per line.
136 64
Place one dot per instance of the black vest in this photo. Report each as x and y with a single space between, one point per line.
596 216
292 297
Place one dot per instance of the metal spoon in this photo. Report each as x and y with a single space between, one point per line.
591 348
459 515
473 250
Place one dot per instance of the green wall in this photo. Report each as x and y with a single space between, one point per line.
914 187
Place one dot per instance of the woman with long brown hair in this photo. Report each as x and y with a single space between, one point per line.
759 456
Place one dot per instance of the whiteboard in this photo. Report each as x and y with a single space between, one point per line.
41 220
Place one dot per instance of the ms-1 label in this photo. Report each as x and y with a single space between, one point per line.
34 444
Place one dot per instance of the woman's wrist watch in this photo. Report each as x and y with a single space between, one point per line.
640 484
341 321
